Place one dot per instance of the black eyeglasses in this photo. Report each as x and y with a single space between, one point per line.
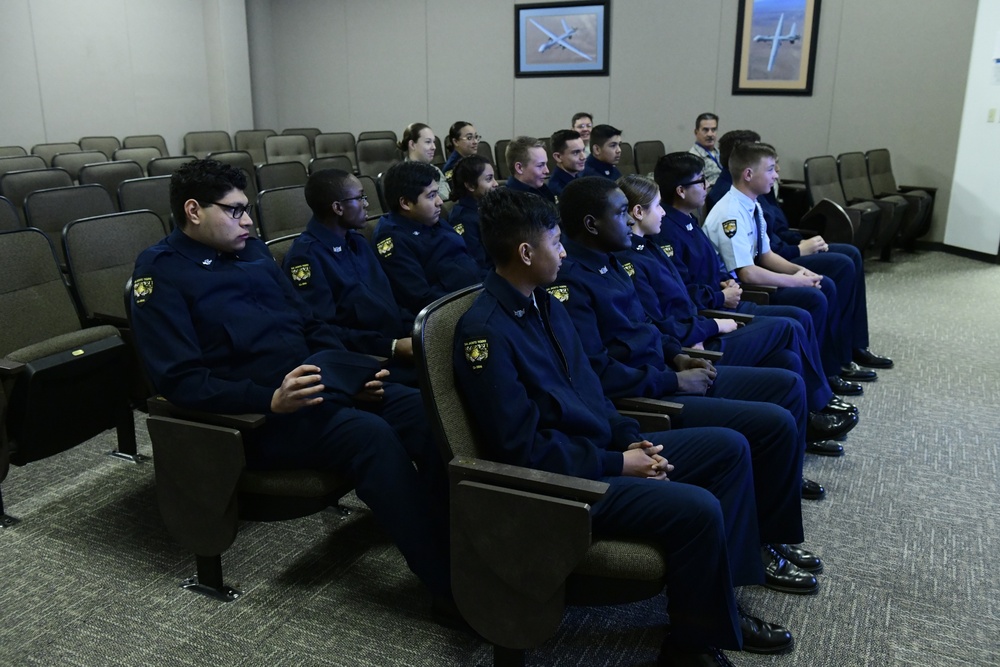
701 181
363 198
236 211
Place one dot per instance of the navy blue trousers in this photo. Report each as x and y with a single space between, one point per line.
843 265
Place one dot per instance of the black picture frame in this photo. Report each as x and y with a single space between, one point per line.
542 34
772 57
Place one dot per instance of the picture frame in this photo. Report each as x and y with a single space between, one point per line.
562 39
775 47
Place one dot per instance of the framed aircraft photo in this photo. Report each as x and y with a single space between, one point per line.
562 39
775 47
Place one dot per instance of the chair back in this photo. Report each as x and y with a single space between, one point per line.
165 166
376 155
20 163
822 180
485 151
282 211
379 134
337 144
288 148
110 175
646 155
241 160
500 165
200 144
74 162
107 145
17 185
100 254
147 141
626 165
375 204
280 175
141 155
439 156
309 133
9 219
49 151
880 171
280 246
341 162
52 209
252 141
854 176
153 193
12 151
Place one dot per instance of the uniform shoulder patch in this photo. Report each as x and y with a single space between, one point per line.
142 289
384 247
560 292
477 351
729 228
460 228
300 273
668 250
629 269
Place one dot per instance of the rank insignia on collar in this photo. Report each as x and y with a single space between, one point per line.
142 289
338 248
477 351
384 247
729 228
560 292
300 274
640 246
629 269
668 250
460 229
519 313
602 270
689 227
206 262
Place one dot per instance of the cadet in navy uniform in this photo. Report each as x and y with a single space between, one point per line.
220 328
540 405
570 155
528 166
335 270
462 141
471 179
423 257
605 153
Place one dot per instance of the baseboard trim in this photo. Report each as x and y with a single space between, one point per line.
961 252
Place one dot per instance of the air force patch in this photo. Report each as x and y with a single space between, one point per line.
142 289
560 292
729 228
477 351
300 273
385 247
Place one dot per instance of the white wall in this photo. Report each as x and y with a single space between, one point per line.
974 212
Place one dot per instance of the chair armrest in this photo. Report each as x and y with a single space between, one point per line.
932 191
793 184
648 422
162 407
10 368
711 355
113 320
526 479
652 405
753 287
804 233
759 298
745 318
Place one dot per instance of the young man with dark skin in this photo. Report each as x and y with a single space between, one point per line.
706 125
570 155
605 153
544 408
528 166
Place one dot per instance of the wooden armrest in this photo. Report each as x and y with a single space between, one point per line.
711 355
804 233
10 368
536 481
648 422
752 287
653 405
745 318
162 407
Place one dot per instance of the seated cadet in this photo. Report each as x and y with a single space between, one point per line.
528 166
335 270
541 406
605 152
583 123
724 180
570 156
423 257
736 228
471 179
462 141
775 342
630 355
417 145
706 125
220 328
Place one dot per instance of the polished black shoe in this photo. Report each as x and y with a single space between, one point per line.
838 404
856 373
763 637
865 357
845 387
710 657
805 560
812 490
780 574
825 448
829 427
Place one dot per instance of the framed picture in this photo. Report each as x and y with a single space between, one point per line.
775 47
562 39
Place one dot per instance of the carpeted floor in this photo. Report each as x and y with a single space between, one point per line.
89 578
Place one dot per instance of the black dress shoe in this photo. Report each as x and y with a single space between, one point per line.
812 490
845 387
825 448
838 404
805 560
780 574
763 637
710 657
855 373
866 357
829 427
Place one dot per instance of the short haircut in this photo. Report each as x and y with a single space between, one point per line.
731 140
580 114
580 198
708 115
466 174
411 133
205 181
640 190
560 138
749 154
406 180
519 150
602 133
454 134
674 169
325 187
508 218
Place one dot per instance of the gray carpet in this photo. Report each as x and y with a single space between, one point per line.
907 532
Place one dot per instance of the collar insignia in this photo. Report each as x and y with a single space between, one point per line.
602 270
519 312
689 227
206 262
338 248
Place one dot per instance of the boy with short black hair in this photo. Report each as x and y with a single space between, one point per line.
605 153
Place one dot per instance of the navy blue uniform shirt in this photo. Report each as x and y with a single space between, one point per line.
721 187
595 167
464 219
450 164
559 179
543 191
694 256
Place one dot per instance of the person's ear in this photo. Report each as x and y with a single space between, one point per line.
518 168
524 253
679 191
590 224
405 203
191 208
636 213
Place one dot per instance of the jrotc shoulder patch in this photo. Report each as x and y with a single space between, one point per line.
142 289
729 228
668 250
384 247
300 273
477 351
560 292
629 269
460 228
448 174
